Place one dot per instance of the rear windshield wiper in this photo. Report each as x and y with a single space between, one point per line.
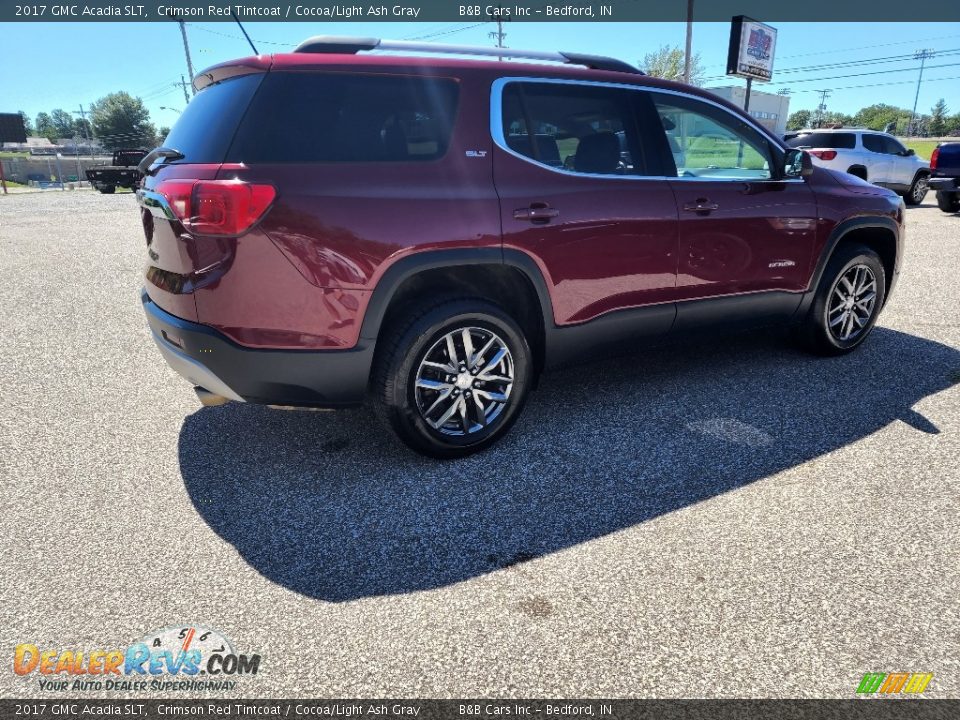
156 154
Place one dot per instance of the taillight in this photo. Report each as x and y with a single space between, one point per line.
933 158
217 207
824 154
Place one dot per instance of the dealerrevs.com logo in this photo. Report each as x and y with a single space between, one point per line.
185 658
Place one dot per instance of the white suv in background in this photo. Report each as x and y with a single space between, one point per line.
873 156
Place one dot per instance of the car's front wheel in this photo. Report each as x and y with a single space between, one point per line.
452 377
848 300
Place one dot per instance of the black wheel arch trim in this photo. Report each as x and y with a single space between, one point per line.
836 236
407 267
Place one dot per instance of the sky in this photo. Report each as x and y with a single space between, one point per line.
64 65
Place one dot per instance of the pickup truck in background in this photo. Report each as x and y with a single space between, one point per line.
122 172
945 176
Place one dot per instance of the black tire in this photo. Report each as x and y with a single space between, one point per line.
949 202
420 332
918 189
815 332
108 189
858 171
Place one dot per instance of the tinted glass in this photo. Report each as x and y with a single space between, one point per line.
708 142
892 145
205 128
874 143
840 141
581 128
335 117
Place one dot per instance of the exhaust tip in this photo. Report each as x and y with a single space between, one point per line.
209 399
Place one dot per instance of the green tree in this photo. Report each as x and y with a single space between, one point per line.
953 124
798 120
161 135
836 118
878 116
938 118
45 126
667 63
62 122
121 120
81 128
27 123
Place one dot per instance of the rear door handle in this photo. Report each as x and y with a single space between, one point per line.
702 205
537 213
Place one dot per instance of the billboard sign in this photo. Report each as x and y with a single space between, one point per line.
752 48
11 128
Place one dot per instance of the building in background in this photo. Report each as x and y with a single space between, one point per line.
769 109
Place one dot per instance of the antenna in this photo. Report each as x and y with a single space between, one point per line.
237 20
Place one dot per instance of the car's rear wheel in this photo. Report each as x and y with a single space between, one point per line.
948 201
452 377
918 190
848 301
107 189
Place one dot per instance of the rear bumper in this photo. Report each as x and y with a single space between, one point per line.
310 378
944 184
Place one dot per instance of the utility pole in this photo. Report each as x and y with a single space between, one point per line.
186 50
86 136
689 46
822 107
922 56
183 83
498 34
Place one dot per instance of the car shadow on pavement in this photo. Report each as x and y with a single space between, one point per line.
331 506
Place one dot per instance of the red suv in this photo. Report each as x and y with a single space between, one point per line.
326 226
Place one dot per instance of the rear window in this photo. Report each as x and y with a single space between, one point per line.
338 117
840 141
205 128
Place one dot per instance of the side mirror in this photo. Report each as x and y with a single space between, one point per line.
797 164
909 151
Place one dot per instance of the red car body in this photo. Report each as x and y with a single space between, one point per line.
290 311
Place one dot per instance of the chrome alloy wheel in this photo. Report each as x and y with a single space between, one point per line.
464 381
920 188
852 302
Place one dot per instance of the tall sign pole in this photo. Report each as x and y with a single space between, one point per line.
750 55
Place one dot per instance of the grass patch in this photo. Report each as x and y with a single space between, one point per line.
923 148
12 184
14 155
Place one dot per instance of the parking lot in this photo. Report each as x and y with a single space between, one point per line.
728 518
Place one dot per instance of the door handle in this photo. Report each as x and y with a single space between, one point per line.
702 206
539 213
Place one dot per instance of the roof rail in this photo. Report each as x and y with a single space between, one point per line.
353 45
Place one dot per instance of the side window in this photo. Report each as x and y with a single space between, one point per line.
892 146
708 142
303 117
873 143
580 128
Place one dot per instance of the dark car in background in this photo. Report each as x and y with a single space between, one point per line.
945 180
327 227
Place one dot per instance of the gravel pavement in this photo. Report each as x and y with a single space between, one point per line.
728 518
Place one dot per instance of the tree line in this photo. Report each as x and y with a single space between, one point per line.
881 116
117 120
